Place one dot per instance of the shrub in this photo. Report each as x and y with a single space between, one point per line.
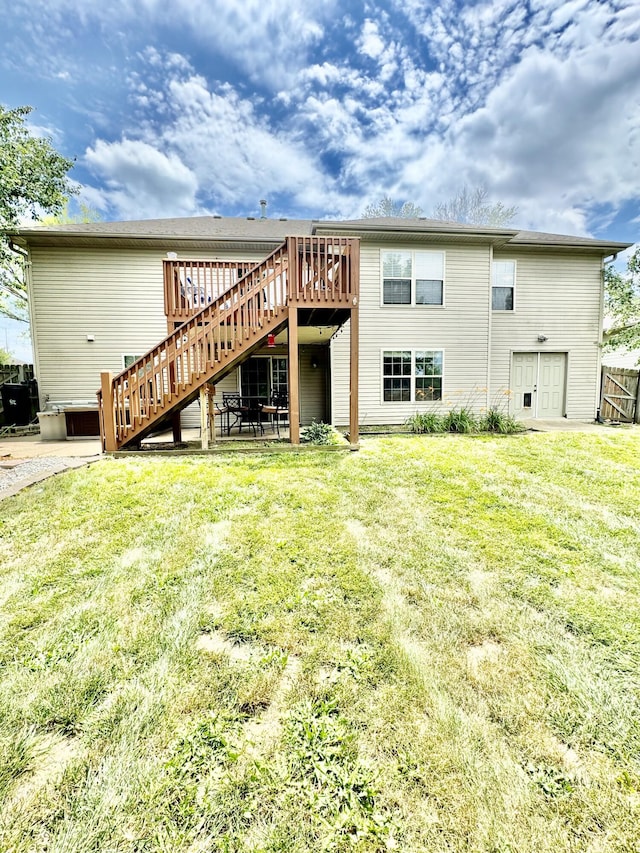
319 433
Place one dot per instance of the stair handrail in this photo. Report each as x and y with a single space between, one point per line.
302 270
268 278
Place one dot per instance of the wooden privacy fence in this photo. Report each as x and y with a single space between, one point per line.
620 395
15 373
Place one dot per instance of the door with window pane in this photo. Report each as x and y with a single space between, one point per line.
264 376
256 379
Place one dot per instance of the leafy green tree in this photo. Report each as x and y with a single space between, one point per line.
33 182
86 213
472 206
5 356
622 304
388 207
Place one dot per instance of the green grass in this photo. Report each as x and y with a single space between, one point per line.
429 645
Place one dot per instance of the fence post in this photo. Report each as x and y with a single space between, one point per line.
108 420
636 415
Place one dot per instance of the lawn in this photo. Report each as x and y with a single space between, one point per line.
429 645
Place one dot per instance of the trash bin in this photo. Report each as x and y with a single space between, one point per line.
16 404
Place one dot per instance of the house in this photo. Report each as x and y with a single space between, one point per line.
359 321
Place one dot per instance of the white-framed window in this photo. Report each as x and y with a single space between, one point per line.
412 278
412 376
503 286
127 360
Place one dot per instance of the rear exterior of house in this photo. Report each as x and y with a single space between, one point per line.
514 321
445 315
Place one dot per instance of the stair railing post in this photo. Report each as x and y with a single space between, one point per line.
109 439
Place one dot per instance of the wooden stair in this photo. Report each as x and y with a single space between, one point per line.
303 272
204 348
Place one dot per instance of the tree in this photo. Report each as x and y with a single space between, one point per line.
33 181
472 206
5 356
86 213
622 304
387 207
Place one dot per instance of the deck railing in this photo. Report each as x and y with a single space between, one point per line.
326 270
191 285
303 270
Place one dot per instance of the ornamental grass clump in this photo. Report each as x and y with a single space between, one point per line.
496 421
461 420
425 422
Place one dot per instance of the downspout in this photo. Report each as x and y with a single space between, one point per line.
26 261
601 332
489 327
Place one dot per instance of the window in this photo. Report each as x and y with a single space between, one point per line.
503 285
263 376
127 360
413 278
428 364
411 375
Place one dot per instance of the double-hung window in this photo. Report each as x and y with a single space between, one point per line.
412 278
503 286
411 375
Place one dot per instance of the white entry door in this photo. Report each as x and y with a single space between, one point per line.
538 384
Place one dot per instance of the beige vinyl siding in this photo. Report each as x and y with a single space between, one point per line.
459 329
557 295
116 295
313 384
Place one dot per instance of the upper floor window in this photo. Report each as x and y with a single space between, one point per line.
413 278
503 285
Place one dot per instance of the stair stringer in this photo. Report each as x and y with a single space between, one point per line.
183 396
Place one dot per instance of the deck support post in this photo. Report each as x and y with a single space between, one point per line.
354 341
176 427
204 417
354 435
211 413
108 419
294 380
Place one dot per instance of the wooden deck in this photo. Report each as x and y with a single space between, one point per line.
302 279
319 272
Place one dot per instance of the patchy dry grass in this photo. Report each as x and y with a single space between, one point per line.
431 645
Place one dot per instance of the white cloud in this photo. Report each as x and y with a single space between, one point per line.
370 42
268 39
142 181
321 109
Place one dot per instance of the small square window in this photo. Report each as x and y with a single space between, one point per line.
397 291
502 299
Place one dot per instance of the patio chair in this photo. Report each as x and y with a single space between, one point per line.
245 411
278 407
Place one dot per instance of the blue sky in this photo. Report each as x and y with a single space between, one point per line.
207 106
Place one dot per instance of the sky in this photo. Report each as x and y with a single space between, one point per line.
323 106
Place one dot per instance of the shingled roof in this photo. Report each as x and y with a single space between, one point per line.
202 231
